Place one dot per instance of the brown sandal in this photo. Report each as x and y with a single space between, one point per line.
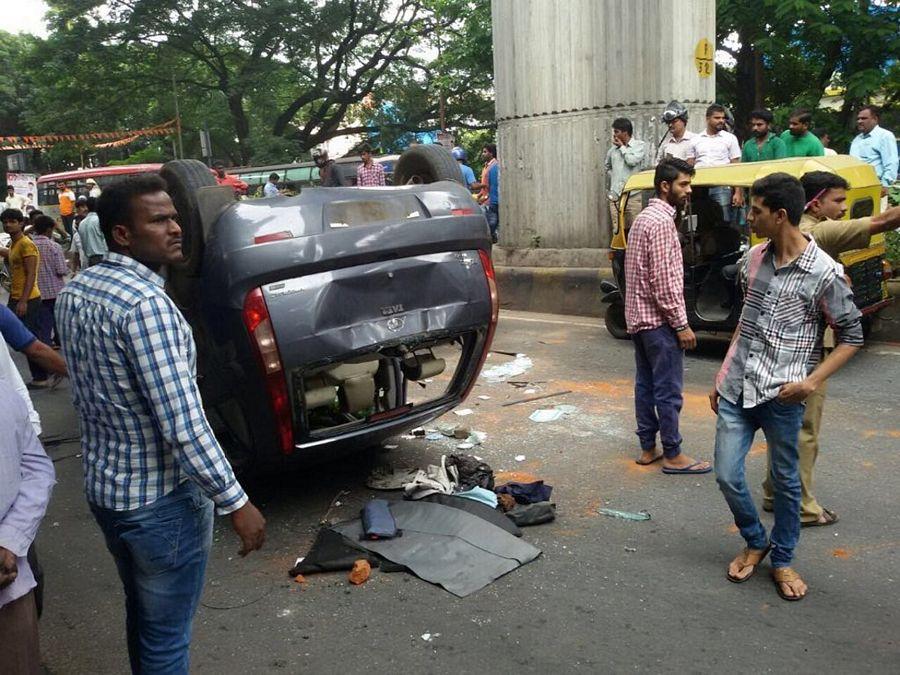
748 557
785 575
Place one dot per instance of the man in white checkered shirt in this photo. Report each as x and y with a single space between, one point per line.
370 173
791 288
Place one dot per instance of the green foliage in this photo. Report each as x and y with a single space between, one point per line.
154 153
801 47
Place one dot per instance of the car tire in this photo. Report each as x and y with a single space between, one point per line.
426 164
615 321
184 177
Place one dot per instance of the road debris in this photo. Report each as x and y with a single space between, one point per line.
624 515
546 415
501 373
520 458
360 572
463 412
628 549
536 398
484 397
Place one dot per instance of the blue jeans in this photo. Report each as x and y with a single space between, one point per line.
658 385
160 551
735 429
492 214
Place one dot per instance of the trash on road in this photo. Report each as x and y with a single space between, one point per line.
537 513
628 549
536 398
360 572
484 397
434 436
463 412
520 458
546 415
502 372
390 478
300 579
625 515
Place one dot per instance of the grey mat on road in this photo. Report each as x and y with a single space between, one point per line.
447 546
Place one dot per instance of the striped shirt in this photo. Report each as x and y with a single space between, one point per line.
133 363
782 324
52 269
654 272
370 176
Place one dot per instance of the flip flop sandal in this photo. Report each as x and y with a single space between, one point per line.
832 518
782 575
751 557
688 469
655 459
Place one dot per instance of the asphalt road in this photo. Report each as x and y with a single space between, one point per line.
606 595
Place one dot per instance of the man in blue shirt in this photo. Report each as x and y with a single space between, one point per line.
468 175
875 146
153 469
493 189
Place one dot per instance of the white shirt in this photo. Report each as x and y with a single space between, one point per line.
16 202
10 377
95 192
716 150
682 148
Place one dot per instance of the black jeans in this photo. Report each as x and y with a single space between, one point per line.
32 321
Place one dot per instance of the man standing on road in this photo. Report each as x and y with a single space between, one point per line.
66 206
876 146
826 203
51 275
715 146
681 141
370 173
330 174
24 294
791 288
459 154
93 243
656 318
489 189
153 469
624 158
798 140
26 480
764 145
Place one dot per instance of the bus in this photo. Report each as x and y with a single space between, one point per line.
293 177
47 195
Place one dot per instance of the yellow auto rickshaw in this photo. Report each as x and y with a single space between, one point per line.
715 237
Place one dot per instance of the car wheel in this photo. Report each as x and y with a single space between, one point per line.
426 164
615 321
184 177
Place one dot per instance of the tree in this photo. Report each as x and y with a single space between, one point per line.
791 50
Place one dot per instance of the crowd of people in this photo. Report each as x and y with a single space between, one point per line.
798 323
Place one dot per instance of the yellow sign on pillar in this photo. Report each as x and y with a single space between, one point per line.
703 58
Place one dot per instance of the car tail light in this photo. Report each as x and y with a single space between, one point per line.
467 211
272 236
259 326
491 279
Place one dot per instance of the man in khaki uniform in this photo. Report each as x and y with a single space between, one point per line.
826 204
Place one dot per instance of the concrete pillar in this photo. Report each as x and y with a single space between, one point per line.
563 71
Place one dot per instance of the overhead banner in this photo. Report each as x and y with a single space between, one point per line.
111 139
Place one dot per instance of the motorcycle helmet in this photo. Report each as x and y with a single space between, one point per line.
458 154
673 111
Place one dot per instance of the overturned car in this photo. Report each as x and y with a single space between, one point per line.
337 318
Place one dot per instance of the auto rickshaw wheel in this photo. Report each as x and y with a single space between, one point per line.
426 164
615 321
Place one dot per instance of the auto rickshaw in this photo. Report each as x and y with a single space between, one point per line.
714 238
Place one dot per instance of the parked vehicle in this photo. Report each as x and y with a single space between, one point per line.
293 177
711 246
333 319
48 198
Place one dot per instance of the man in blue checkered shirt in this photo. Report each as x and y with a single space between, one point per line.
791 290
153 469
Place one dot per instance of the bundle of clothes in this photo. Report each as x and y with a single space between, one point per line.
454 527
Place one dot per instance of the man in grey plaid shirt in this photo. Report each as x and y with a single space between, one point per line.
791 290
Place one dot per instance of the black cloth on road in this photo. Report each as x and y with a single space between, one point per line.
526 493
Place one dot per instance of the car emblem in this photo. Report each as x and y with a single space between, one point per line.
395 323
